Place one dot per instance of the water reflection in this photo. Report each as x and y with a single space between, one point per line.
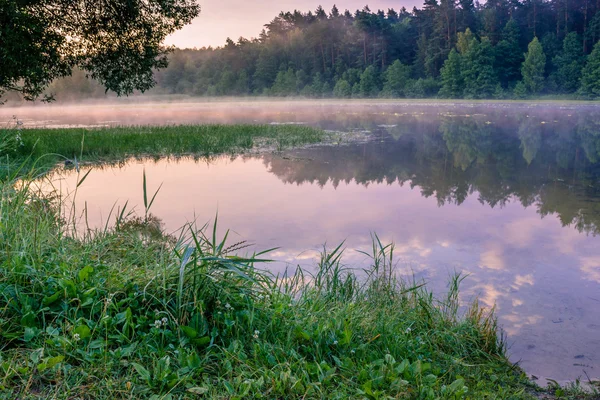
514 202
552 166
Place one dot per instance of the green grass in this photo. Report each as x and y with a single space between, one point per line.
131 312
108 144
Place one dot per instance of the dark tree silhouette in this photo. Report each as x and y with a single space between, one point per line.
116 42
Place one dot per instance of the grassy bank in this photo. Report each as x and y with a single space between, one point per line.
132 313
109 144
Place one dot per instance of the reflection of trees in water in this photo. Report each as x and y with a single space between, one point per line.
552 161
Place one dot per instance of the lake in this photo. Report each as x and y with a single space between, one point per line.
508 193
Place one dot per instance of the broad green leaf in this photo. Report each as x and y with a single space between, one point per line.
85 273
189 332
83 331
142 372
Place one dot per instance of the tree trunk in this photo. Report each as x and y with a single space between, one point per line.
332 57
585 14
566 17
535 18
324 59
365 48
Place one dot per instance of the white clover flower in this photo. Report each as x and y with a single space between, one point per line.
228 306
109 298
164 321
76 337
157 324
256 333
408 330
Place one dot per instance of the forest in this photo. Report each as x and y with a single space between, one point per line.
446 49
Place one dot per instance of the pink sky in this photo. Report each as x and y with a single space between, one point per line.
220 19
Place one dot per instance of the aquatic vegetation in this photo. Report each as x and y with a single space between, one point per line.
51 145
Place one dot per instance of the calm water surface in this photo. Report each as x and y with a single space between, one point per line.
509 194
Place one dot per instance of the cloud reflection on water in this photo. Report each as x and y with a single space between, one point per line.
514 203
513 273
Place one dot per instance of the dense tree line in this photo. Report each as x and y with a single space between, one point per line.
450 48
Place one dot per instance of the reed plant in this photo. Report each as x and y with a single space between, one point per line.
116 143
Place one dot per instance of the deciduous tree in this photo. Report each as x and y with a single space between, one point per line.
116 42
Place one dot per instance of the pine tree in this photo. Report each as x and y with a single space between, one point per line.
533 67
369 83
342 89
590 78
508 54
569 63
465 41
452 83
395 78
487 79
285 83
479 78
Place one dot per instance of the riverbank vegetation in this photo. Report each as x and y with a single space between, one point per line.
190 319
48 146
445 49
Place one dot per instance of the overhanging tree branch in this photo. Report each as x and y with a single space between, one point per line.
117 42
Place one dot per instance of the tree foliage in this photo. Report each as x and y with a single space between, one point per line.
590 80
569 63
116 42
395 79
533 67
452 82
463 48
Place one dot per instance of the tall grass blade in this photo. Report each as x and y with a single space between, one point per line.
80 182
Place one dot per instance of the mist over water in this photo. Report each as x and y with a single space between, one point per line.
506 193
326 114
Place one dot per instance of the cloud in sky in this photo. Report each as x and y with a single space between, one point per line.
220 19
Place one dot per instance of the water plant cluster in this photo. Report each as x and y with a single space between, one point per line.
119 142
